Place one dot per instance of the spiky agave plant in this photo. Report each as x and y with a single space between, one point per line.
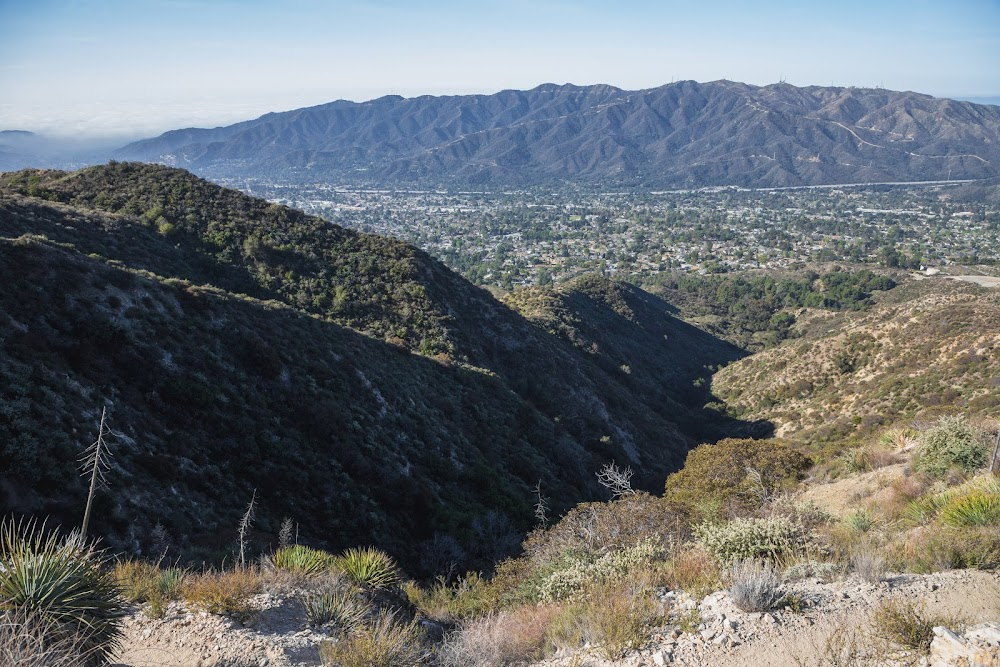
369 566
301 560
60 582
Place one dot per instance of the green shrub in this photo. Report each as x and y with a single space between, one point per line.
771 538
301 560
61 584
951 443
576 572
386 641
368 566
735 473
470 596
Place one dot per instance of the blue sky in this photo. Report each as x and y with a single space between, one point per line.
138 67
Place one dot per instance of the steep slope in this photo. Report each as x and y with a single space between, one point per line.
679 135
246 345
927 346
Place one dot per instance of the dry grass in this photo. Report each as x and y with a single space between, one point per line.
223 592
693 570
386 641
868 562
620 616
505 638
27 642
137 579
906 624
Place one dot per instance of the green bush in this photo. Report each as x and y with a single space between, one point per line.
61 583
369 566
771 538
578 572
735 473
951 443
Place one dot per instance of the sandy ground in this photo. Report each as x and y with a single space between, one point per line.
983 281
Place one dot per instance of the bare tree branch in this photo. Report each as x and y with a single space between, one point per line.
616 480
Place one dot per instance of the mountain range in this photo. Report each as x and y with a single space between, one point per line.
685 134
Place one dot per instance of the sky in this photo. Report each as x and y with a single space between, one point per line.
131 68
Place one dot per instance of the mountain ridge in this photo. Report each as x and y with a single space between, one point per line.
683 134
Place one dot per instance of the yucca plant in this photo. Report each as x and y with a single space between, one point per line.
369 566
301 560
60 583
387 641
975 503
337 605
979 507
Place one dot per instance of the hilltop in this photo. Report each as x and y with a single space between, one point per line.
681 135
926 348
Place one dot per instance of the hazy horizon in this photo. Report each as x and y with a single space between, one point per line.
112 69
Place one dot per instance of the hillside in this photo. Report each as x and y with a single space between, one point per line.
684 134
363 388
927 347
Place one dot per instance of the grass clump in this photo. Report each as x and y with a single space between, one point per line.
370 567
619 614
907 624
385 641
301 560
29 642
868 562
694 570
225 592
60 584
754 585
470 596
499 639
952 443
137 579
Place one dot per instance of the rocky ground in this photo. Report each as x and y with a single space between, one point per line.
830 626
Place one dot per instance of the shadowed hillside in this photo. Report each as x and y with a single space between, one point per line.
363 388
